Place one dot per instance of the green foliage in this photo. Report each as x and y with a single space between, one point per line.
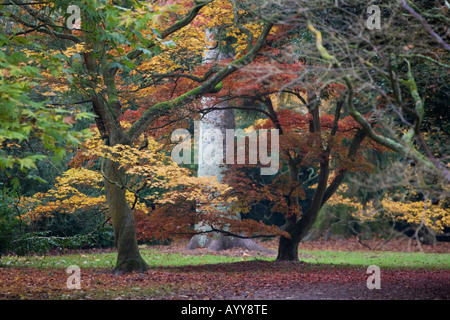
70 231
41 242
338 222
25 116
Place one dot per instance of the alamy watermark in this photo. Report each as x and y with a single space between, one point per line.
210 146
374 19
374 280
74 20
74 280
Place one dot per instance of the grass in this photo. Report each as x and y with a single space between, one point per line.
410 260
108 260
385 259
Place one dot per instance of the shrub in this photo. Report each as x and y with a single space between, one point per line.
61 231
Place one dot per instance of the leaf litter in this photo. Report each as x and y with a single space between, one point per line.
254 279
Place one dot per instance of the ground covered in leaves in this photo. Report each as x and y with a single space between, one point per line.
250 279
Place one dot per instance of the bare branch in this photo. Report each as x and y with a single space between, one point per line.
425 24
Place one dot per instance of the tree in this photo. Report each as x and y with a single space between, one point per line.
117 41
326 145
376 71
215 120
382 68
401 196
163 195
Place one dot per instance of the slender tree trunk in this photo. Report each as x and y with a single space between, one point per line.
128 257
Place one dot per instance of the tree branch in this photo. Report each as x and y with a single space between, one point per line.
405 150
175 27
353 149
228 233
44 29
425 24
213 84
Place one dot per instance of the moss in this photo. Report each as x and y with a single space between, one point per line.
131 265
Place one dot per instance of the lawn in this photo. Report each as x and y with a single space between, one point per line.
383 259
156 258
107 260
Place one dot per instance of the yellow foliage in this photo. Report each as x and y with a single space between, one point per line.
66 197
434 216
414 212
166 184
191 42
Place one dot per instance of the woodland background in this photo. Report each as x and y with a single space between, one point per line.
87 112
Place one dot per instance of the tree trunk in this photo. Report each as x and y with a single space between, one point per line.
297 227
128 258
220 120
218 241
288 249
213 120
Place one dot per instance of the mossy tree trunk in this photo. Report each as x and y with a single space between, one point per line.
128 258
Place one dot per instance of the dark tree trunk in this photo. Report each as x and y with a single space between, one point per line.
288 249
128 258
297 227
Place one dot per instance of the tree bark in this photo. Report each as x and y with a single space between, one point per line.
213 120
220 120
288 249
128 258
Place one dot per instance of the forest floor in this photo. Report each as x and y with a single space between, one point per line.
256 277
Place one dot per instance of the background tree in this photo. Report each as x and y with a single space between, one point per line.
389 70
382 71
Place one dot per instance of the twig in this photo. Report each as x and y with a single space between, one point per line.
425 24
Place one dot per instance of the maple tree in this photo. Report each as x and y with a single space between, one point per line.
324 144
114 43
378 83
313 136
164 197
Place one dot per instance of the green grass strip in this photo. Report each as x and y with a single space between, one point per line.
410 260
